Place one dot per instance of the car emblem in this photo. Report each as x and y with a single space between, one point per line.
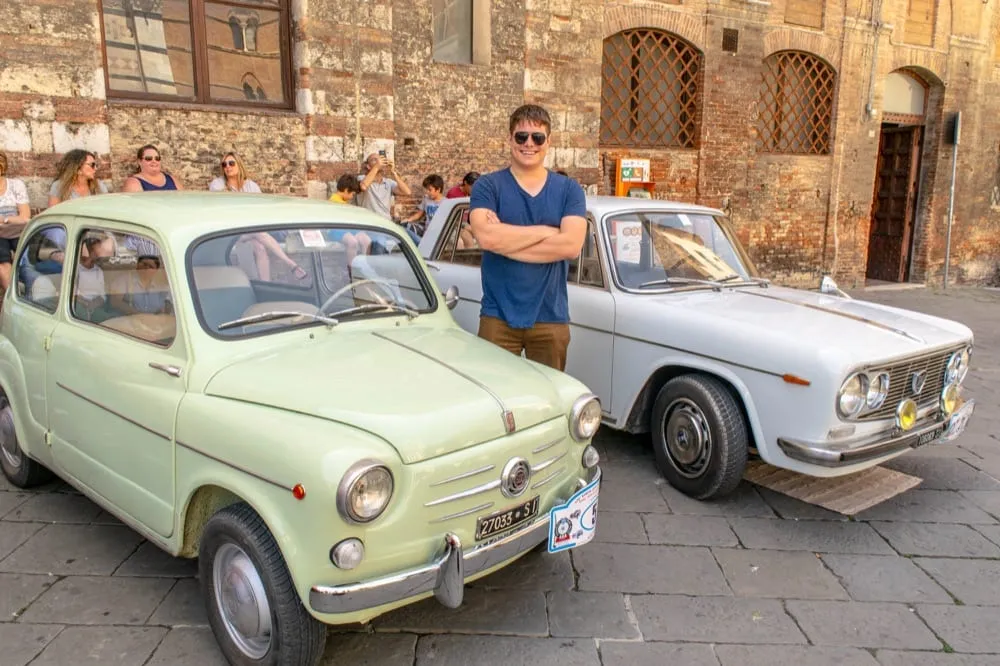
508 421
917 382
515 477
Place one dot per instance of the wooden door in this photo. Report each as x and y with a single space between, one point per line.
894 205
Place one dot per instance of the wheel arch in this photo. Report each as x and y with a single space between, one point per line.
637 421
207 500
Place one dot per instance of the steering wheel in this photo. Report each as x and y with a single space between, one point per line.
379 281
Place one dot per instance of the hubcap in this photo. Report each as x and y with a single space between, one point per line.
239 592
688 438
8 440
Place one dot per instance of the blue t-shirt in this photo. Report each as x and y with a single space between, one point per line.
519 293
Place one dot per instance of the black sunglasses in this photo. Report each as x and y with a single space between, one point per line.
229 163
537 137
90 164
150 158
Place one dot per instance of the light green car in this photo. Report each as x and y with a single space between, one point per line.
274 386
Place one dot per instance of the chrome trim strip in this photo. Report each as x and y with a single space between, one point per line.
486 487
549 477
548 463
445 576
111 411
460 514
840 313
463 475
475 381
545 447
234 466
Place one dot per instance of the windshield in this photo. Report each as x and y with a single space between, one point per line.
252 282
654 249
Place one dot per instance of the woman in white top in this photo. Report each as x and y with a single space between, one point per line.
76 176
234 179
14 214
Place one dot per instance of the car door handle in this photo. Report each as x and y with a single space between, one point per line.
171 370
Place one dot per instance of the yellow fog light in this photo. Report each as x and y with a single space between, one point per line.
949 399
906 414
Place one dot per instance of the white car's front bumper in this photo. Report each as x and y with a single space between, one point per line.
852 452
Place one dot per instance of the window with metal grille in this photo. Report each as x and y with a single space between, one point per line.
651 92
795 109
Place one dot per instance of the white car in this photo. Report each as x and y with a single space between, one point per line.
674 331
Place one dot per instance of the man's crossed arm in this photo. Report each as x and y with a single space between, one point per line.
536 244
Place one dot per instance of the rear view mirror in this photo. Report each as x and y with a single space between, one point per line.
828 286
451 297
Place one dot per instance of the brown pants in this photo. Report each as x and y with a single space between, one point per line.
543 343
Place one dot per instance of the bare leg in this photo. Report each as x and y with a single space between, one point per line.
4 276
263 261
268 241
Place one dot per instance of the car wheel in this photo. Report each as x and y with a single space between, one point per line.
253 608
700 437
19 469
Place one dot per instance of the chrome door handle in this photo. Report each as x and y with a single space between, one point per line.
171 370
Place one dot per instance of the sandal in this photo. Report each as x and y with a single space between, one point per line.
299 272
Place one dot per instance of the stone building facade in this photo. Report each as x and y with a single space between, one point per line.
822 127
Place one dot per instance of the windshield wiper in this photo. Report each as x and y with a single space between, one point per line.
373 307
679 280
275 315
757 281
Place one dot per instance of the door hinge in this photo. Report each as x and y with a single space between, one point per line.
48 438
47 342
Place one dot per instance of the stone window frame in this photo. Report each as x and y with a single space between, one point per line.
812 113
199 57
479 35
666 51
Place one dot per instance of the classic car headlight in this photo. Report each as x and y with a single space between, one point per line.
853 394
957 368
585 417
878 389
949 399
906 414
364 491
348 553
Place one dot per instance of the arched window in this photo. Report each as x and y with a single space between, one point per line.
795 108
237 29
650 95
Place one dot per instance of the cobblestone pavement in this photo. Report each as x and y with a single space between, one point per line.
757 579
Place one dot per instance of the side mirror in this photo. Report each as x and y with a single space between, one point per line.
451 297
828 286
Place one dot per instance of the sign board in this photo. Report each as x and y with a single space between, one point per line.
634 170
628 241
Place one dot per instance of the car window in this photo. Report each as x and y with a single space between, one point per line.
271 256
121 284
653 246
365 273
39 269
459 245
589 260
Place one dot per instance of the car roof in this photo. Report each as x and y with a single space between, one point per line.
602 204
185 214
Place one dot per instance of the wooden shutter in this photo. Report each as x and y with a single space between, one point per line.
919 27
805 12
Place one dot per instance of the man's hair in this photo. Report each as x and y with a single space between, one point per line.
531 113
435 181
348 183
471 178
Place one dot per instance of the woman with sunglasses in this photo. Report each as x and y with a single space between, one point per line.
234 179
149 175
76 176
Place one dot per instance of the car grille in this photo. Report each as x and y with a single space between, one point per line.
473 487
901 380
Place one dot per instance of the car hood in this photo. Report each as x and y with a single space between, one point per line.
853 330
426 391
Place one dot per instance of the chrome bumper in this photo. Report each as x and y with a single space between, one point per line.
444 576
846 453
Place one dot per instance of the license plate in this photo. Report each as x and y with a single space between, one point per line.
501 521
929 436
574 523
960 419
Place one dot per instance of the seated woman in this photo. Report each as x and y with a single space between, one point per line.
145 289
